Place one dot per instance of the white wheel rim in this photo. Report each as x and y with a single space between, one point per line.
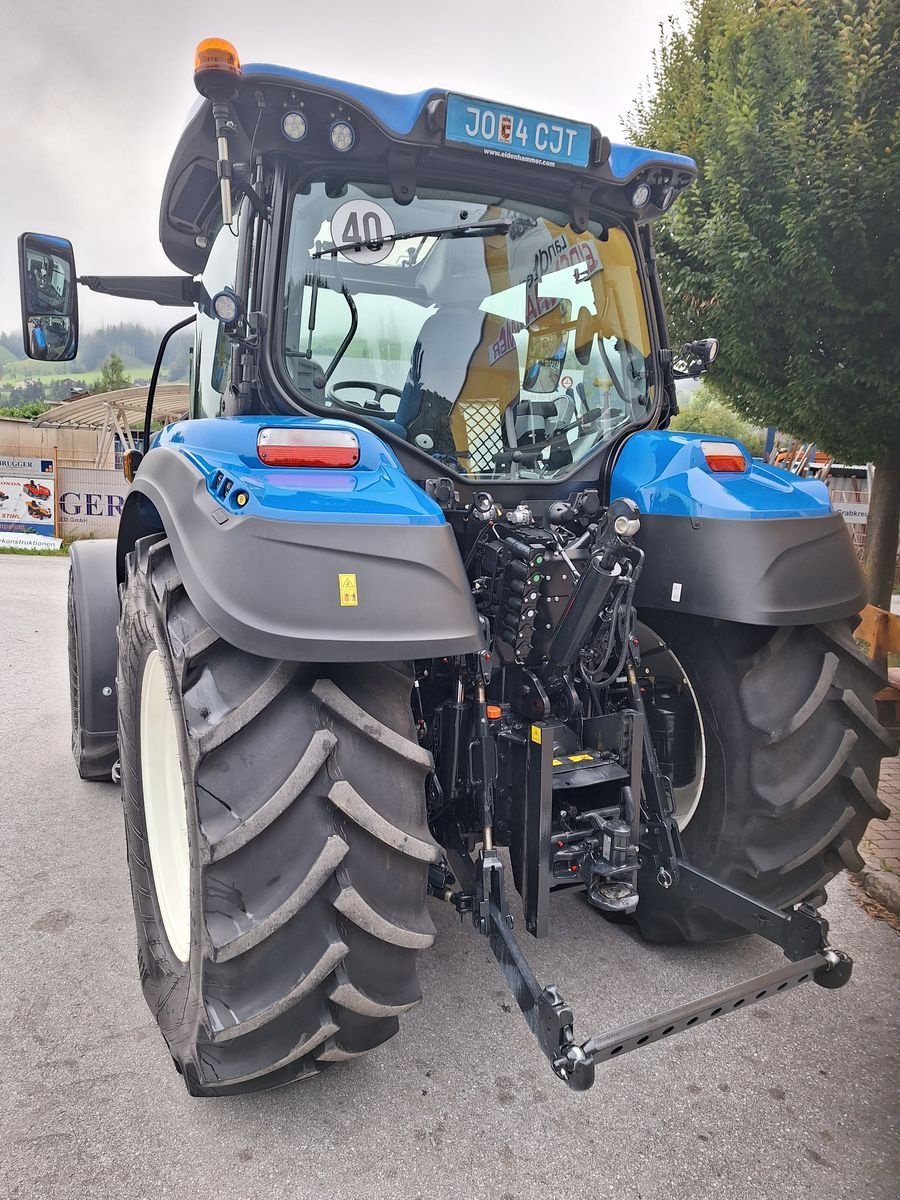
164 808
686 798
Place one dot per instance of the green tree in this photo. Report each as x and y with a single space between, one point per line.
26 411
786 247
112 376
704 413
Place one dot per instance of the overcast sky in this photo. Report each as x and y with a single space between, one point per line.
95 93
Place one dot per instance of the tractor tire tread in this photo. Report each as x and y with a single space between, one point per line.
310 842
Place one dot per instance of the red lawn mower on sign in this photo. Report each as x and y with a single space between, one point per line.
37 490
38 511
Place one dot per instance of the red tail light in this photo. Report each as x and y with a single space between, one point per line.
282 447
724 456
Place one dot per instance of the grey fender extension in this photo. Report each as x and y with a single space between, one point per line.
270 587
780 571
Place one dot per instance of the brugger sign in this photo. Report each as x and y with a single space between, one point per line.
28 491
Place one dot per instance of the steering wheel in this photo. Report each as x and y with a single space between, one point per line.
373 404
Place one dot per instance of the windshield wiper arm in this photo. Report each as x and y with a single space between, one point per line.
471 229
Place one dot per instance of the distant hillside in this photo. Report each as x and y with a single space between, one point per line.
136 345
24 381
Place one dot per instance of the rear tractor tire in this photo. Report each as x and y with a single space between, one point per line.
277 844
787 766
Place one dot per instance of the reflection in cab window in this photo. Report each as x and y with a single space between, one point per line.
212 360
488 334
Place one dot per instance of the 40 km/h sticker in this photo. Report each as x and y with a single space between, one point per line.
367 223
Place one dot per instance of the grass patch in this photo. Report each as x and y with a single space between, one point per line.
62 552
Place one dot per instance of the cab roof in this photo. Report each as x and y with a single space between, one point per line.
398 133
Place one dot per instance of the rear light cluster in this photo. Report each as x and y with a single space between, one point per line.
283 447
724 456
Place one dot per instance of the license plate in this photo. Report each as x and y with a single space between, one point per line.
500 131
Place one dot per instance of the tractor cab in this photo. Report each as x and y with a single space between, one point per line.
471 280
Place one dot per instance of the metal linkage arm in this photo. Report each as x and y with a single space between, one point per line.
625 1038
798 931
551 1019
547 1015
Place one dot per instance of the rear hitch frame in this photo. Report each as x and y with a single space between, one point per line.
552 1020
800 932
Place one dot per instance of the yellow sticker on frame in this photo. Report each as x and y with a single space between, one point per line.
347 592
536 734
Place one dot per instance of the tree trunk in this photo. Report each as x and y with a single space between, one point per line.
882 531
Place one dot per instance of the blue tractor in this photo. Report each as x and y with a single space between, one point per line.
426 590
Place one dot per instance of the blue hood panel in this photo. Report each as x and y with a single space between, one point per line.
665 472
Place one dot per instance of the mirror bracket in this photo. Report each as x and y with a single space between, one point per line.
580 205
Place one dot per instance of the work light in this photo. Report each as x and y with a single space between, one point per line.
293 126
342 136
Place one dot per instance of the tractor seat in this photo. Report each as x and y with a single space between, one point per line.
463 375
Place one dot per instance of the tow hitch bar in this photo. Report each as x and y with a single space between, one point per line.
801 933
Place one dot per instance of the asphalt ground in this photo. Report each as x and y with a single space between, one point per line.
792 1099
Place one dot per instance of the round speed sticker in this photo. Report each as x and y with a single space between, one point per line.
365 223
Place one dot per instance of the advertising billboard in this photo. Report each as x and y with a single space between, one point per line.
28 501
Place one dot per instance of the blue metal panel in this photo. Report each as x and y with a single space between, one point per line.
399 114
665 472
396 112
375 492
624 161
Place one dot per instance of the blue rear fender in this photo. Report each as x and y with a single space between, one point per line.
315 565
377 491
757 545
665 472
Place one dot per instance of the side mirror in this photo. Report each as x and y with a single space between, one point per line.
48 294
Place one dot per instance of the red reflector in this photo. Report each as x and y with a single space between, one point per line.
724 456
282 447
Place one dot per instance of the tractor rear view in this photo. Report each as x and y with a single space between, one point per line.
426 591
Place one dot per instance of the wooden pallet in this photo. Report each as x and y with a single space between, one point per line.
880 630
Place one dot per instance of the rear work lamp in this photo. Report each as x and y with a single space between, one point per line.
280 447
724 456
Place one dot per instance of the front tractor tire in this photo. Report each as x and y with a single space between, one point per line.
277 844
791 751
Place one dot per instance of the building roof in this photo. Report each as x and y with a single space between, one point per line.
172 401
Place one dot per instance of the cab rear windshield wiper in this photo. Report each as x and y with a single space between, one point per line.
471 229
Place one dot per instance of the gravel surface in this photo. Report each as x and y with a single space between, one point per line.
789 1100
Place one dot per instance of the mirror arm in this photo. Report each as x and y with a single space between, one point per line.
176 291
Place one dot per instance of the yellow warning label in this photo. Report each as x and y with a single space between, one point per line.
557 762
347 590
580 757
536 734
